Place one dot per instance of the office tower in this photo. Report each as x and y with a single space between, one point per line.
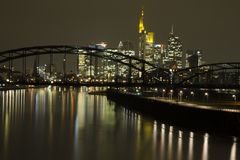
126 48
194 58
91 68
174 52
148 50
142 36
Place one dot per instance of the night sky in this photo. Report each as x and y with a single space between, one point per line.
211 25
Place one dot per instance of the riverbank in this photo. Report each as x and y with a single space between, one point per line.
202 118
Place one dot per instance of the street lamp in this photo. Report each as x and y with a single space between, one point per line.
206 94
180 95
163 93
171 94
192 94
234 97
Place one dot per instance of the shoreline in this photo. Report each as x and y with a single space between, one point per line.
193 118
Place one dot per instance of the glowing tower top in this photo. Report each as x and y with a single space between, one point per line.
141 23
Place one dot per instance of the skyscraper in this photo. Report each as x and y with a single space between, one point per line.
194 58
142 36
146 42
174 53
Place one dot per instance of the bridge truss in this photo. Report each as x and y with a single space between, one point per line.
209 74
140 68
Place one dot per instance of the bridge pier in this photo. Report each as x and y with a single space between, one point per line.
10 65
77 69
64 67
24 61
51 65
143 73
37 69
116 73
90 67
238 75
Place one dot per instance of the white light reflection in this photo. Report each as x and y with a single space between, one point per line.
233 155
170 141
50 104
6 124
179 147
23 92
6 132
154 138
80 121
139 128
36 106
155 130
139 124
191 146
162 147
10 103
18 109
7 102
205 147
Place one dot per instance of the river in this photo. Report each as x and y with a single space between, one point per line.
69 124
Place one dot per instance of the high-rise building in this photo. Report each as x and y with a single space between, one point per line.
127 48
148 49
142 36
193 58
174 52
159 51
91 67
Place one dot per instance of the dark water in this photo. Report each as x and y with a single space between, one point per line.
69 124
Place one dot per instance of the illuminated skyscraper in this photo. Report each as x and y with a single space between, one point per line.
193 58
90 67
126 47
147 51
174 52
142 36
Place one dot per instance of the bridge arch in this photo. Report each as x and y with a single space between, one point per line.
216 73
111 54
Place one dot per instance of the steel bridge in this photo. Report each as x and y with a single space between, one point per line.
216 74
139 71
119 59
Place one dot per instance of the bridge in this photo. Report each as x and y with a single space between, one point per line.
110 67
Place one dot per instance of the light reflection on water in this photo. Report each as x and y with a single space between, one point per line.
67 123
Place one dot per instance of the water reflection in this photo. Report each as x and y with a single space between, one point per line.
179 145
67 123
233 155
190 146
205 147
170 141
162 147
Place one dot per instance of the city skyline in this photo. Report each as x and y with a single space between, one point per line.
216 34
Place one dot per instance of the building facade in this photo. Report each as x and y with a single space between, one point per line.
174 53
194 58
